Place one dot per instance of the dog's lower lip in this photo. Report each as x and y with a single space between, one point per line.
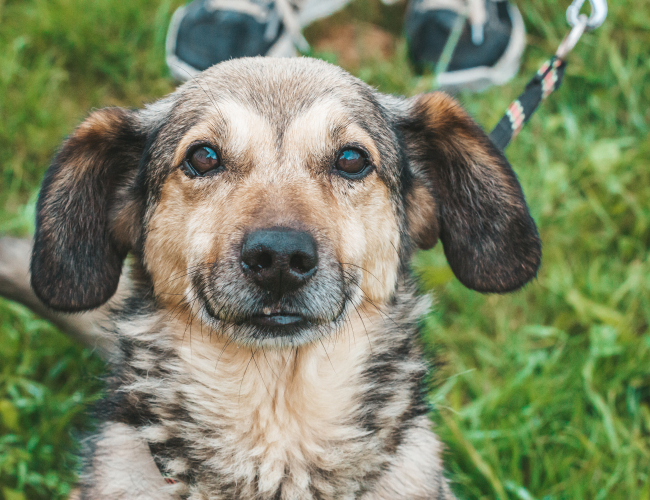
276 319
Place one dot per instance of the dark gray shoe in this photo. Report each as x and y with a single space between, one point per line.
206 32
488 51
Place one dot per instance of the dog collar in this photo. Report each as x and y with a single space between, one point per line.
170 480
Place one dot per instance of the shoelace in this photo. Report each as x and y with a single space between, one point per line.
475 10
276 13
288 10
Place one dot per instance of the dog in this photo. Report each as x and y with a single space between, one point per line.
266 331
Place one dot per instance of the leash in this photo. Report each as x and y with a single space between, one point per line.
549 76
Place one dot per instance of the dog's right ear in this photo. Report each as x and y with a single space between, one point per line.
78 248
466 193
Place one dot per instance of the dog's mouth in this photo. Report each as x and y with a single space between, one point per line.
273 323
272 317
293 319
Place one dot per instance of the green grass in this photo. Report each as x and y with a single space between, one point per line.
542 394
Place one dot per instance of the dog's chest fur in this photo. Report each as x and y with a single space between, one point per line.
319 421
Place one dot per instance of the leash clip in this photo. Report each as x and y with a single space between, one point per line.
572 37
580 23
597 17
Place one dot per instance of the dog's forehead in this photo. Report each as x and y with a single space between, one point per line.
270 97
281 88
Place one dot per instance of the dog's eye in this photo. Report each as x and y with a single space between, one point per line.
351 162
203 159
200 161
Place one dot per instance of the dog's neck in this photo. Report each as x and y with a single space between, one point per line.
216 412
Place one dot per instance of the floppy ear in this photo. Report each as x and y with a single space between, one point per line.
466 193
80 241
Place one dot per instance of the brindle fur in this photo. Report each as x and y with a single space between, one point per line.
332 410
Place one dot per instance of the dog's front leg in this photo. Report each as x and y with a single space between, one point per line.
14 285
119 467
416 472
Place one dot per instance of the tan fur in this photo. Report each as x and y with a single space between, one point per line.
134 474
96 130
285 407
441 111
423 217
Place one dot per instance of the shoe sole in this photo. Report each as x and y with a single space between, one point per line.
284 47
482 77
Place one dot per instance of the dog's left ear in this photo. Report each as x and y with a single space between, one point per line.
85 221
466 194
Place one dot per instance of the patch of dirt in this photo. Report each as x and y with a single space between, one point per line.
356 43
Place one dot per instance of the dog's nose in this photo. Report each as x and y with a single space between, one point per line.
279 259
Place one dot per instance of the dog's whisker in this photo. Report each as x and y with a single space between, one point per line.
228 341
242 377
184 273
364 327
268 364
327 354
176 311
260 374
288 360
191 318
363 269
364 297
393 245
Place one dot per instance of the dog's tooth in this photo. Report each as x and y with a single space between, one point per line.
267 311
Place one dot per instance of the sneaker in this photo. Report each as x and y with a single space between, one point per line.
206 32
488 50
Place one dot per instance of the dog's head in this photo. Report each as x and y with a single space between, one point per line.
274 196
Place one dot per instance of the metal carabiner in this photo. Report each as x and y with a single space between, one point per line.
597 17
572 37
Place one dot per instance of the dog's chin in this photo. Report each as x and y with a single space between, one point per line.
288 331
279 328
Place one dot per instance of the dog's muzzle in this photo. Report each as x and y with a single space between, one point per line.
279 261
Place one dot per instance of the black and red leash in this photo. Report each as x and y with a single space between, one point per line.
549 76
546 81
